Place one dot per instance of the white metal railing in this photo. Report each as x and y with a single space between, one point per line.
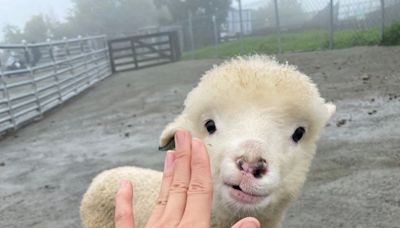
35 78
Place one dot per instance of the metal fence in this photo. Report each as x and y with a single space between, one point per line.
37 77
135 52
276 26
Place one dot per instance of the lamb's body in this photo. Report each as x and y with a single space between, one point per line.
97 209
263 111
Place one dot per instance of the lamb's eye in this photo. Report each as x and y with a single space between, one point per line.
210 125
298 134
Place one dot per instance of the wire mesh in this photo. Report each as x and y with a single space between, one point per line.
274 26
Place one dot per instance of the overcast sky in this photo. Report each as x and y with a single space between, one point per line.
17 12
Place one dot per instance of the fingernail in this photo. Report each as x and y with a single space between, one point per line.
248 224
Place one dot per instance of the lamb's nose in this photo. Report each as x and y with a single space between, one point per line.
258 167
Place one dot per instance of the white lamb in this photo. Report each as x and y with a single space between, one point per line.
260 121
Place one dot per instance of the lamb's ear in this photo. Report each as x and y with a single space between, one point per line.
331 108
167 141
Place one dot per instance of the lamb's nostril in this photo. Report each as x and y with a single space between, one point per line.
260 168
257 169
240 164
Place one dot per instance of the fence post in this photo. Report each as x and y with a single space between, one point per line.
55 70
107 56
382 20
111 56
135 59
93 48
33 81
80 43
214 20
241 27
26 54
7 96
331 24
87 56
278 26
176 45
191 34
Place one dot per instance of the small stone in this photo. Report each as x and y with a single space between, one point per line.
49 187
129 125
365 77
372 112
373 99
127 134
2 164
341 123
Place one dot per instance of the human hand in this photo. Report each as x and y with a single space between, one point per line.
185 196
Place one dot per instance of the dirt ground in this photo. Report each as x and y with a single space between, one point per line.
354 181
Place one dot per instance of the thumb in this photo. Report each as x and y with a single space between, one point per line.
248 222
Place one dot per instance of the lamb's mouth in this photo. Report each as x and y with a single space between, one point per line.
244 197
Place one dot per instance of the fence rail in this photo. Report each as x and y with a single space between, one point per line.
35 78
137 52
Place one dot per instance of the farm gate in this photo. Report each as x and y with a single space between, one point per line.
137 52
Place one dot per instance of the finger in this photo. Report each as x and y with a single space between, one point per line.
248 222
177 194
200 191
165 185
123 206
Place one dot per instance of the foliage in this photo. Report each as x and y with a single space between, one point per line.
291 42
199 8
290 12
392 34
201 11
112 17
12 34
36 29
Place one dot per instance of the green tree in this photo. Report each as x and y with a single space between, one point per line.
112 17
199 8
37 29
12 34
290 13
202 12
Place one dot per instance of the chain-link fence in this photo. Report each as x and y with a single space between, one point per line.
277 26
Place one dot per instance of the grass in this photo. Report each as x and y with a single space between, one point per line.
291 42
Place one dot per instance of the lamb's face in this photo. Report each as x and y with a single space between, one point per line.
259 155
260 127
